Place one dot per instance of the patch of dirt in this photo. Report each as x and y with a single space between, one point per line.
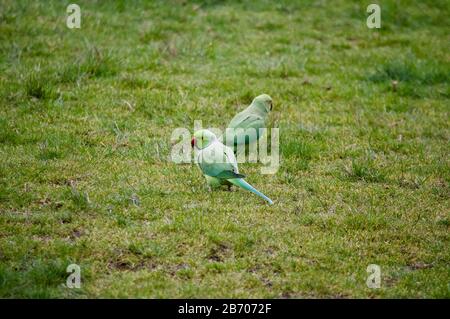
266 282
389 281
68 181
220 252
57 205
76 234
286 295
124 261
44 201
173 269
127 265
270 251
408 183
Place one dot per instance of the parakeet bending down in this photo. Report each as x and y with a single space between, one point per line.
218 163
254 116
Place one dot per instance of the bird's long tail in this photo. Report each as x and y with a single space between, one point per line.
243 184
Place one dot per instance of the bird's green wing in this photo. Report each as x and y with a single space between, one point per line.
244 122
219 170
224 169
218 161
229 175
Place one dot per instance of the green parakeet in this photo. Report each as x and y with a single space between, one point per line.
218 163
253 117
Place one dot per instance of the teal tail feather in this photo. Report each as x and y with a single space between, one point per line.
243 184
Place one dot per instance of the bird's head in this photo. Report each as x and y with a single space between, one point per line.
263 102
202 139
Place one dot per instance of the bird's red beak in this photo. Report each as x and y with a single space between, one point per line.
193 142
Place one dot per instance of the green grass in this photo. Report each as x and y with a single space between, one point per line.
86 117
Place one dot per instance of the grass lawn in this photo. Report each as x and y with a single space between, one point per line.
86 117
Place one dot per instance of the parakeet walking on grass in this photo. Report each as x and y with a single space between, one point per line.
218 163
253 117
